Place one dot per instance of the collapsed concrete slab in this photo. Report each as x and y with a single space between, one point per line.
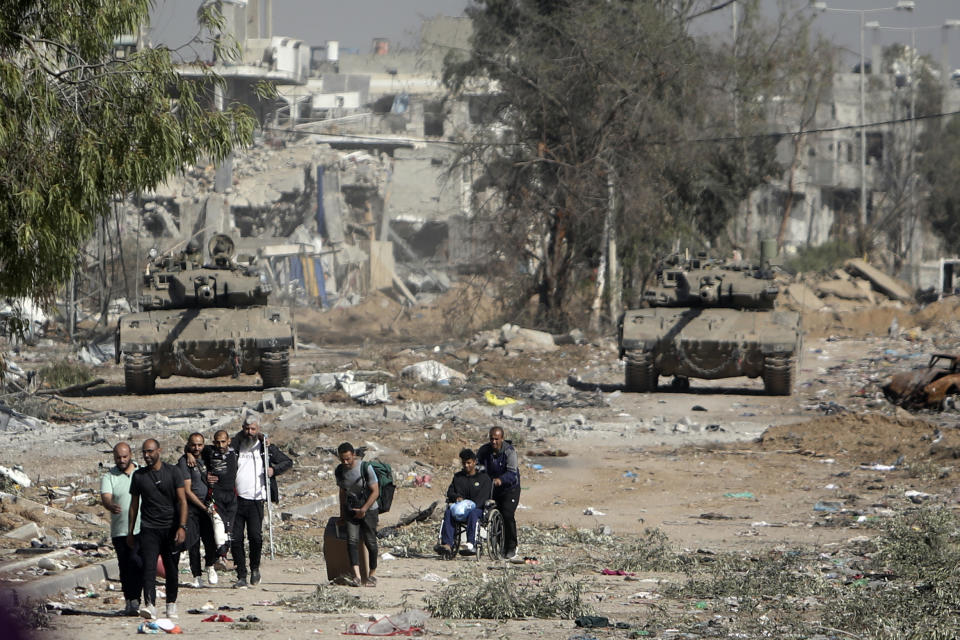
845 289
880 281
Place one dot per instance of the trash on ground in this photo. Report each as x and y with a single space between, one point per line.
497 401
407 623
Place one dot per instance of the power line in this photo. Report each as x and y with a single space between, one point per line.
756 136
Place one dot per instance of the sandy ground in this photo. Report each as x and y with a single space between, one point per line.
719 467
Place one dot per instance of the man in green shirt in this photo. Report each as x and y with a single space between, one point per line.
115 496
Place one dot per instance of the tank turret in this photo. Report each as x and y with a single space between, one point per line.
710 319
701 282
204 321
179 281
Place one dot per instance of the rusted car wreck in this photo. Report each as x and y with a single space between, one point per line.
934 387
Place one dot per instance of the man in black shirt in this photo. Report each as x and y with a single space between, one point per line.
199 524
467 484
157 497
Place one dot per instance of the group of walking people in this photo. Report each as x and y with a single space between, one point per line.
213 498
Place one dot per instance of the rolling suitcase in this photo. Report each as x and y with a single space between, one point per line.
336 556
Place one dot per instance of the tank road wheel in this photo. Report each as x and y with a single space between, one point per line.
641 375
778 372
138 373
275 368
495 535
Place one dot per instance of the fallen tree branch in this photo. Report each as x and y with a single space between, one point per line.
71 389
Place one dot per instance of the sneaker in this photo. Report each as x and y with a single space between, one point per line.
212 576
254 576
172 610
148 611
469 549
195 584
241 583
132 608
510 555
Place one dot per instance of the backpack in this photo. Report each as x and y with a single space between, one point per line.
384 479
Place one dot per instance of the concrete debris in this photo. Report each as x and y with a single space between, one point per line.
515 338
26 532
432 371
321 382
799 295
364 392
846 290
12 421
15 475
880 281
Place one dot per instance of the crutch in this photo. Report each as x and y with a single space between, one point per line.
266 485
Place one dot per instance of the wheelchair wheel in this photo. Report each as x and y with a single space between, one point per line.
495 535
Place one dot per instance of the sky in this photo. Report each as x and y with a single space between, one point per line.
355 23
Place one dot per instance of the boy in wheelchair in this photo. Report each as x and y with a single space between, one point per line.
468 493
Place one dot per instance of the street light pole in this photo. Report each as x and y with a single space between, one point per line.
863 136
902 5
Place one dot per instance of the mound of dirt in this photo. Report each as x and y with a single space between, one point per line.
865 438
458 312
876 320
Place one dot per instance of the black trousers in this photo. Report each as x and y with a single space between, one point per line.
130 565
160 543
200 530
507 502
249 518
367 529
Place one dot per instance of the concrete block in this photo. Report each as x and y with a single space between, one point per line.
267 404
26 532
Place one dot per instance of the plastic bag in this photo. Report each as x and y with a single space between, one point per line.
406 623
460 510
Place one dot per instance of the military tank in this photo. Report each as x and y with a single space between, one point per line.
204 321
710 319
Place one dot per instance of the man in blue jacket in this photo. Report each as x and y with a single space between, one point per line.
499 460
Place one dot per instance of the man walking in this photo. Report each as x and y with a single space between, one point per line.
359 490
252 471
158 487
499 460
199 525
115 496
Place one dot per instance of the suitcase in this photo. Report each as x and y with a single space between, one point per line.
336 556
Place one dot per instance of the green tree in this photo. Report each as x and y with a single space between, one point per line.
940 165
595 158
80 125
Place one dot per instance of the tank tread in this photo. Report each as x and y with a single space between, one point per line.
641 375
275 368
138 373
778 374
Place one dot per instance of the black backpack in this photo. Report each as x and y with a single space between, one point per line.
384 479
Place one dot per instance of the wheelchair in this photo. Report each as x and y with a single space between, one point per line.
489 535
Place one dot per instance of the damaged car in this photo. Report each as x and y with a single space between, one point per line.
935 387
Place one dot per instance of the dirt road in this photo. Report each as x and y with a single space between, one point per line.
688 464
